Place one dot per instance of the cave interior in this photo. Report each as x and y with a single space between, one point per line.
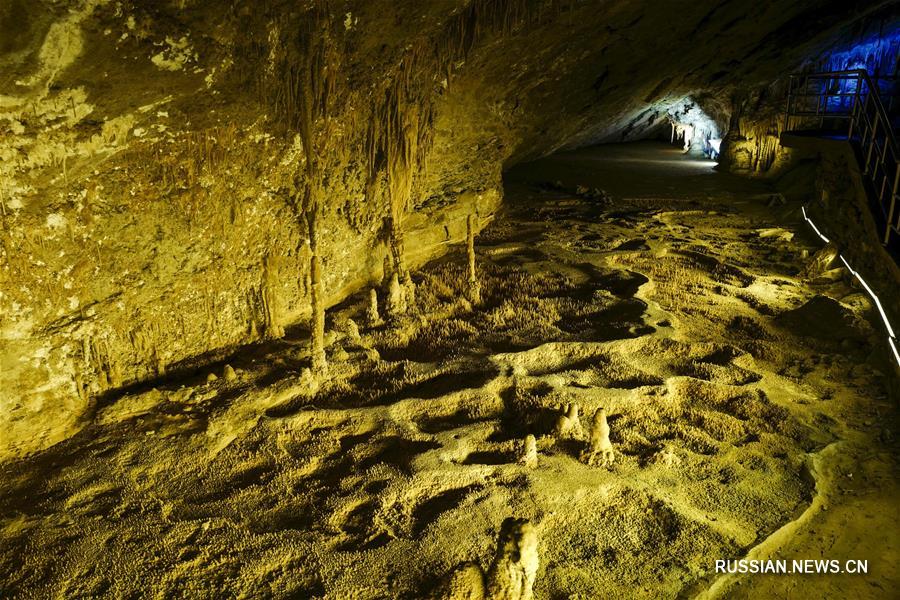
449 299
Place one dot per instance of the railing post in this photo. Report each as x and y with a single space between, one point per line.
890 215
790 97
852 118
872 141
864 116
823 101
869 120
819 108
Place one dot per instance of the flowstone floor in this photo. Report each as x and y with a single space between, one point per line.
745 413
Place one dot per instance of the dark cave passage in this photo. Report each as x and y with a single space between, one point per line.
647 169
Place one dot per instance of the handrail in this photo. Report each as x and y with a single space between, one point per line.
879 107
869 124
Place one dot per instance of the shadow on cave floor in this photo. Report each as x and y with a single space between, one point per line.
669 302
647 169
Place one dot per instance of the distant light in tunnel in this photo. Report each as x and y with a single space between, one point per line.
890 330
714 145
688 119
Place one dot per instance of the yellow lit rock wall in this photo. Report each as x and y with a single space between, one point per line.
165 166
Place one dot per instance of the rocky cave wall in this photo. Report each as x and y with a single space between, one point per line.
172 172
870 41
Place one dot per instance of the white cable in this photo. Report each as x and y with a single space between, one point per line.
887 323
874 297
894 348
816 229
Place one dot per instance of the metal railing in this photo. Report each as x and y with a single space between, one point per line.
851 101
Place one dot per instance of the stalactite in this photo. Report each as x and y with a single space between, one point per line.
474 287
81 388
308 94
401 128
386 272
160 365
304 98
316 291
753 140
270 299
317 346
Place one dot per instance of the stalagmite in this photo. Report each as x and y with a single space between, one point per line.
575 420
373 319
409 291
351 330
562 427
270 298
512 574
228 373
396 302
599 448
317 346
568 425
529 453
474 289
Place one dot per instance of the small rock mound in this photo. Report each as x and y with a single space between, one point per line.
824 318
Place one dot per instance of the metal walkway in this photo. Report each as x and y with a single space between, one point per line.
856 107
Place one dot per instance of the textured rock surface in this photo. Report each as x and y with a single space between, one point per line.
734 432
168 170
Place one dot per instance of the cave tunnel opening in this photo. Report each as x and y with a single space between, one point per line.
470 299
